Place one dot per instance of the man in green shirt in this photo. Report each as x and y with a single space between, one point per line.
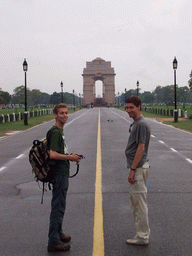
59 152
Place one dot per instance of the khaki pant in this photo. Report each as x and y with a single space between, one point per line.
138 198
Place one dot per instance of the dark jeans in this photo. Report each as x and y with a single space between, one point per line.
58 203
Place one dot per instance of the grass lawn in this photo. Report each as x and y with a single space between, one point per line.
32 121
19 126
184 124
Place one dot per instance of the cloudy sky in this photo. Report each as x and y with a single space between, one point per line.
57 38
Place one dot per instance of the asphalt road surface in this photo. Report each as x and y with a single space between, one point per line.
24 220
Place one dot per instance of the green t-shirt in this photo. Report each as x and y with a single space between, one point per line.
56 140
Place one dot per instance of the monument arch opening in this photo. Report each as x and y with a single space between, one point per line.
99 89
98 70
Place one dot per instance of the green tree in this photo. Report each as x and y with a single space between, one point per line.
5 97
168 93
55 98
35 97
190 81
45 98
147 97
158 94
19 95
183 94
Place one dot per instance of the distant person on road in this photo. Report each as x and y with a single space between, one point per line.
138 166
59 152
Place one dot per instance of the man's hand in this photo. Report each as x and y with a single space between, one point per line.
131 177
75 157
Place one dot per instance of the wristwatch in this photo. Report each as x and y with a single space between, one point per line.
132 169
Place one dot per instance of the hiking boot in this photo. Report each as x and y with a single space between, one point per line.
65 239
59 247
138 241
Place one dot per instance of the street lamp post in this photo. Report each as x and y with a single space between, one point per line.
80 100
125 97
118 99
175 110
25 67
137 88
74 99
61 92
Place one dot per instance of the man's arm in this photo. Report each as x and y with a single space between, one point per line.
138 155
57 156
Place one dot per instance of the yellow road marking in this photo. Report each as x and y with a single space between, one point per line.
98 236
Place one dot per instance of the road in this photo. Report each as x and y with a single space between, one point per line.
24 221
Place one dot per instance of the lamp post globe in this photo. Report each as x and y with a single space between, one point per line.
25 68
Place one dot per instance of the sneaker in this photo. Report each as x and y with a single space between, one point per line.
59 247
138 241
65 239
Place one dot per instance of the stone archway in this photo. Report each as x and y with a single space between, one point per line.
98 69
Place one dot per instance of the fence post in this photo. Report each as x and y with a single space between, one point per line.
14 117
186 114
179 113
3 121
8 118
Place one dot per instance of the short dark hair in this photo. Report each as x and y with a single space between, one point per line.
135 100
58 106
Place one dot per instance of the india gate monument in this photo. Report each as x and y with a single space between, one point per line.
98 69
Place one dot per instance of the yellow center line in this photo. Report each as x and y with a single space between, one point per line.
98 236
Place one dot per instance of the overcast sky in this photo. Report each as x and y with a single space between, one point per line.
57 38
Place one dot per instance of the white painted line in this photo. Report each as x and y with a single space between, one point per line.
189 160
2 168
3 137
74 119
69 123
174 150
11 133
153 136
162 142
120 116
19 156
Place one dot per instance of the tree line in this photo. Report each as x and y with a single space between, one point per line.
160 95
35 97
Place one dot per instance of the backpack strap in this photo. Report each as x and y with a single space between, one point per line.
43 190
